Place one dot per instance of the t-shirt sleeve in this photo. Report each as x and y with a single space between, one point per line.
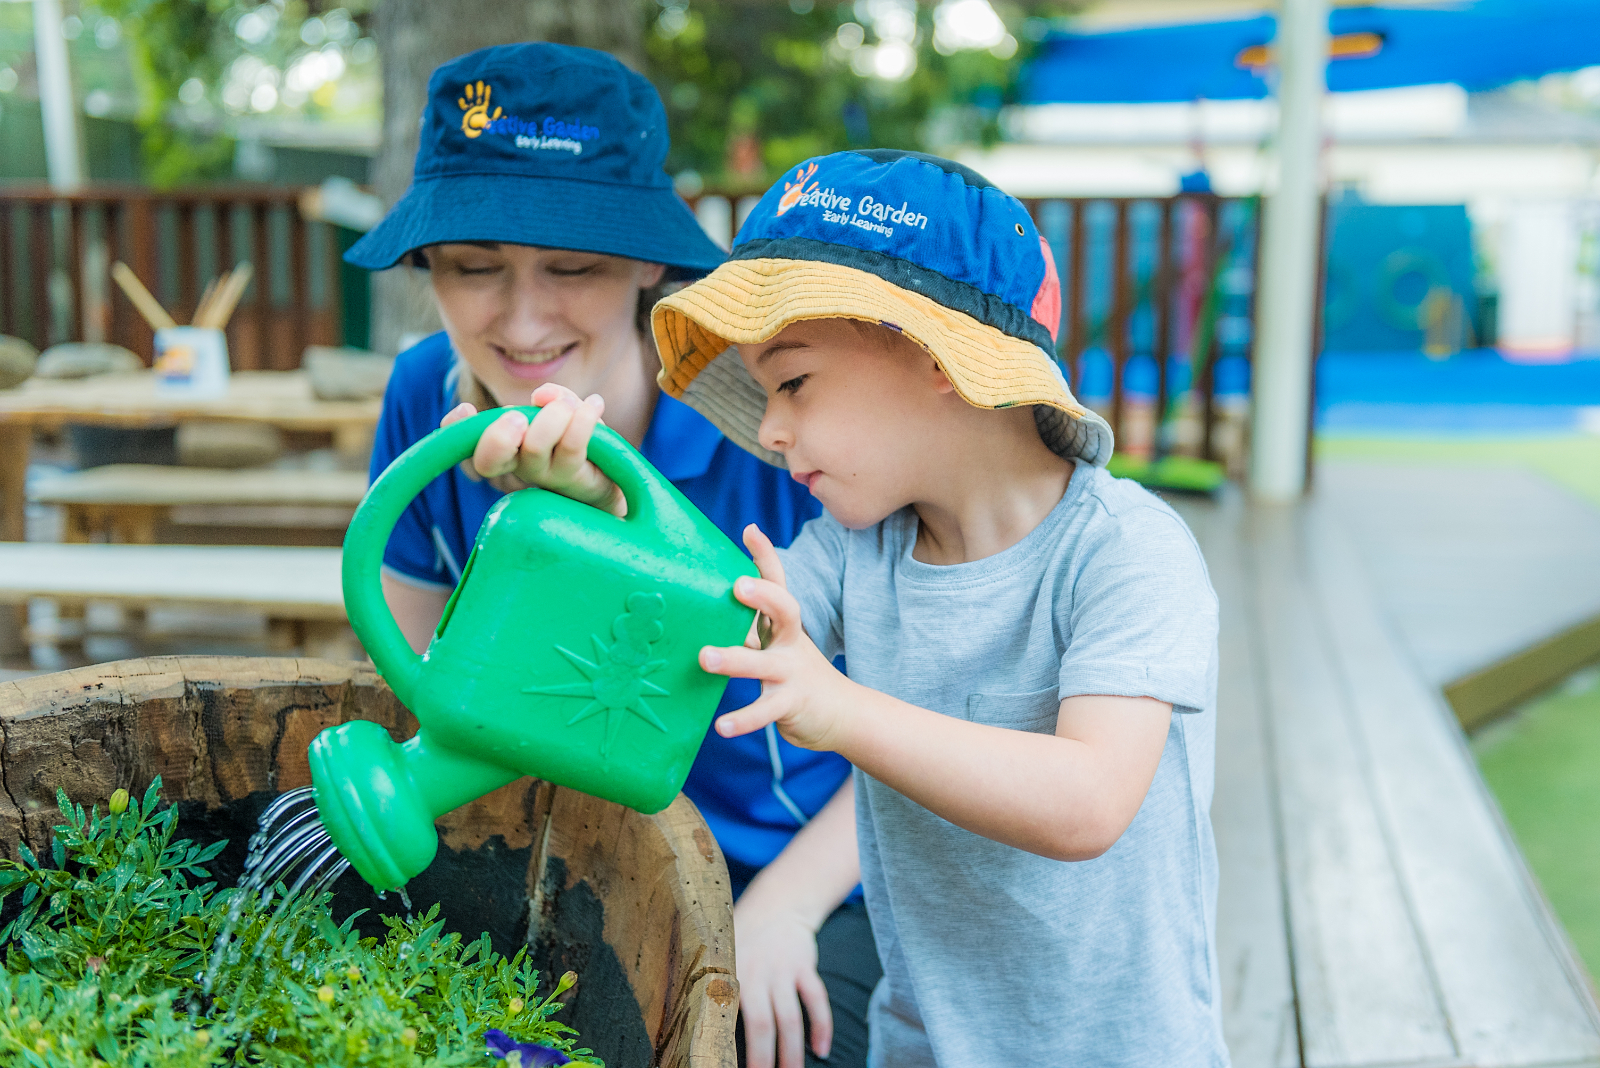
411 555
813 568
1142 617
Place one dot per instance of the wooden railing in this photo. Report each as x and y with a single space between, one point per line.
1136 341
56 250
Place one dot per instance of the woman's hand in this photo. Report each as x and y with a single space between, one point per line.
777 961
552 451
801 691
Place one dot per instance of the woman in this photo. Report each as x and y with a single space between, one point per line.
541 211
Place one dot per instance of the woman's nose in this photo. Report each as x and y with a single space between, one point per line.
529 313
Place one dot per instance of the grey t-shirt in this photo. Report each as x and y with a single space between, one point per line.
993 955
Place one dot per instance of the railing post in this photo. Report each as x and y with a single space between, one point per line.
1075 343
1117 331
42 262
299 291
141 256
261 282
1161 296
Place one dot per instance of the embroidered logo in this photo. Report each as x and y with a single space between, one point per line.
562 135
792 192
869 214
616 682
474 101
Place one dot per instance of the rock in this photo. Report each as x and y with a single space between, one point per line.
346 374
203 444
17 360
81 359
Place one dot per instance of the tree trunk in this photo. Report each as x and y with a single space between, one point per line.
414 37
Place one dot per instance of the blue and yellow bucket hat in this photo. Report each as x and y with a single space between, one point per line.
543 144
908 240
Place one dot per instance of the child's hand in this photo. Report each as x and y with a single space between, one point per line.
801 691
551 452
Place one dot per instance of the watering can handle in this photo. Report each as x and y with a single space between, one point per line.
650 502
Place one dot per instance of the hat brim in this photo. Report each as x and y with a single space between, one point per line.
746 302
648 223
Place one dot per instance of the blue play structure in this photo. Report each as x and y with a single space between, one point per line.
1384 261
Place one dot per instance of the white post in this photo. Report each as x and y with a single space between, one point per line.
1286 297
63 153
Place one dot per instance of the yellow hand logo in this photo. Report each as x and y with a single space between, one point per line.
474 101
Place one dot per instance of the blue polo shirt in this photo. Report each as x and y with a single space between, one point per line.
754 791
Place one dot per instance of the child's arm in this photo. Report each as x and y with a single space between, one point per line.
1069 797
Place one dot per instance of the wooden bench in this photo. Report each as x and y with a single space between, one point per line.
130 503
297 588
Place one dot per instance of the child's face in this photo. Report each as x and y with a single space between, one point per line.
855 411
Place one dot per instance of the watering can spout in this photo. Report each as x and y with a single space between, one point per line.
378 798
568 652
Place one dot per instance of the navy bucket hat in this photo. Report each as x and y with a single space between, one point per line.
543 144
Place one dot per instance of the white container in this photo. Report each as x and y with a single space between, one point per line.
191 361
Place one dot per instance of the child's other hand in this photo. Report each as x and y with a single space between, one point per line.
552 451
801 691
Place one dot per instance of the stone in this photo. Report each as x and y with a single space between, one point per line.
82 359
346 374
218 444
17 361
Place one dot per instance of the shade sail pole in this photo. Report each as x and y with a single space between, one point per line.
62 149
1286 297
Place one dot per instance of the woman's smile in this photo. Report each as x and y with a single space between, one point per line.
533 365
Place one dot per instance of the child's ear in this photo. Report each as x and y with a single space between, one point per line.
941 381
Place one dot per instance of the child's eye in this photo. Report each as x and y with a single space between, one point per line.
572 272
475 270
793 384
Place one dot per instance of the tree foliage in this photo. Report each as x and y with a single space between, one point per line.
752 88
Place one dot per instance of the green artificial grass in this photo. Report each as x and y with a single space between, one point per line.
1540 764
1572 461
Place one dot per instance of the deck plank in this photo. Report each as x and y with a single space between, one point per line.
1509 981
1365 992
1472 563
1252 936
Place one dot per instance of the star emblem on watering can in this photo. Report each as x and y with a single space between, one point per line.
615 681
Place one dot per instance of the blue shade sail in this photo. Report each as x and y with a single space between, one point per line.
1478 45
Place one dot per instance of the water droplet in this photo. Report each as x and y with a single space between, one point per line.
405 899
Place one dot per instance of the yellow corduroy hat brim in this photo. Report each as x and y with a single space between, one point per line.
749 301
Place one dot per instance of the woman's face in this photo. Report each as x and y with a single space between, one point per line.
521 316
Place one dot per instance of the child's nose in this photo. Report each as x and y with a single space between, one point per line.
773 434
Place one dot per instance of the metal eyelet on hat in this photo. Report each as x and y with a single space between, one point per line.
1020 231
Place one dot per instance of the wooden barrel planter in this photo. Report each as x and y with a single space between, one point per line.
638 906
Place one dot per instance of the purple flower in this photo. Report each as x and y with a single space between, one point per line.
528 1054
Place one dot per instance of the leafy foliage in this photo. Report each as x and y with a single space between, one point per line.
105 964
752 89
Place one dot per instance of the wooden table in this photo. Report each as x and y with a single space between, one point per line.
278 398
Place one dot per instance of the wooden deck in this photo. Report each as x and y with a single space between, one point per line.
1491 576
1373 908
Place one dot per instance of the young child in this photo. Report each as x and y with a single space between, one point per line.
1019 626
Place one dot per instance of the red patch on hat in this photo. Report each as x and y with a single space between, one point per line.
1047 302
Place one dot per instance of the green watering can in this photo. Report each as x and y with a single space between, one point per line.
568 651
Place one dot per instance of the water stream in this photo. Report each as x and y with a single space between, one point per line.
290 855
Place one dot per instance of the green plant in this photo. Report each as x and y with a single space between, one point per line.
107 955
